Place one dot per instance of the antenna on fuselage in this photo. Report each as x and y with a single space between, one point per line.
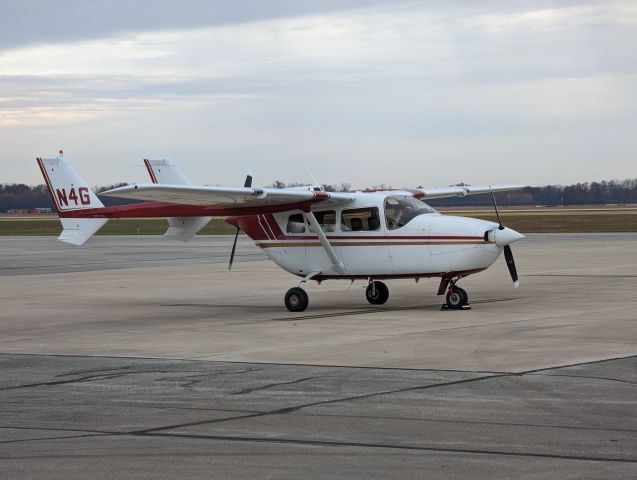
316 183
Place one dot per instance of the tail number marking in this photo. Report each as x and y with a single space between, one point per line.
80 196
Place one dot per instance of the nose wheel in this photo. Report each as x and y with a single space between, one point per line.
457 299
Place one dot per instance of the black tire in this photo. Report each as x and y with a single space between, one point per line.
465 295
455 299
296 299
377 294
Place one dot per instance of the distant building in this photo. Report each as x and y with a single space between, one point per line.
29 211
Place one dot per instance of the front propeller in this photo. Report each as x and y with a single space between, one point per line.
247 184
503 237
508 256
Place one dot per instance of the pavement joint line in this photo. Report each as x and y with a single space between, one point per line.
585 376
474 422
23 440
578 364
238 362
391 446
49 429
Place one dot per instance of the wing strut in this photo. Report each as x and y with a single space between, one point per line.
338 265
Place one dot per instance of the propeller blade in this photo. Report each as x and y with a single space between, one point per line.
495 206
234 247
508 256
247 184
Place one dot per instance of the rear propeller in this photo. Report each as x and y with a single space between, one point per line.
247 184
508 254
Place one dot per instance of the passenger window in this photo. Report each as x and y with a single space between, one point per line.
360 220
296 223
327 220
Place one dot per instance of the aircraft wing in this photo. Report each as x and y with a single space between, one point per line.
431 193
233 197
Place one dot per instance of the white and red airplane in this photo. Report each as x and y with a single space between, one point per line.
316 235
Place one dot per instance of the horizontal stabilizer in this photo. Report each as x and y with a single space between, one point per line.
185 228
79 230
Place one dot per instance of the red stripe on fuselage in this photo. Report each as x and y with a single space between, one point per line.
163 209
274 227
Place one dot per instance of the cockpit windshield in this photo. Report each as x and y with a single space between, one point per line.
400 210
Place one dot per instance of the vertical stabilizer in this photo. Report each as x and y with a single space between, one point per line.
71 196
167 172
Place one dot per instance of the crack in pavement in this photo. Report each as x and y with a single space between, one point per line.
270 385
286 410
121 373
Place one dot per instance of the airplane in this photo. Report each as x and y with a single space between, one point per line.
316 235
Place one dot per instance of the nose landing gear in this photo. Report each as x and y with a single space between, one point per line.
457 298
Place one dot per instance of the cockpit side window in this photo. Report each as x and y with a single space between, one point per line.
296 223
360 220
400 210
326 219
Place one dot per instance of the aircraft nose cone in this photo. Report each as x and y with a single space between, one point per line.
506 236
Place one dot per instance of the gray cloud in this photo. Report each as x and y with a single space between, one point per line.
533 91
26 22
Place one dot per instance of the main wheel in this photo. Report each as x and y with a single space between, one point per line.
455 299
464 294
377 293
296 299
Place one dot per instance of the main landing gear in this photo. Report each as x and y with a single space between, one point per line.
297 300
377 293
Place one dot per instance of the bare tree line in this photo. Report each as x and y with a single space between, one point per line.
24 197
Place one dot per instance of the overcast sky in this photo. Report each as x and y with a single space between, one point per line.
367 92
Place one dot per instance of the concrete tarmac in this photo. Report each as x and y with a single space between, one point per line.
134 357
